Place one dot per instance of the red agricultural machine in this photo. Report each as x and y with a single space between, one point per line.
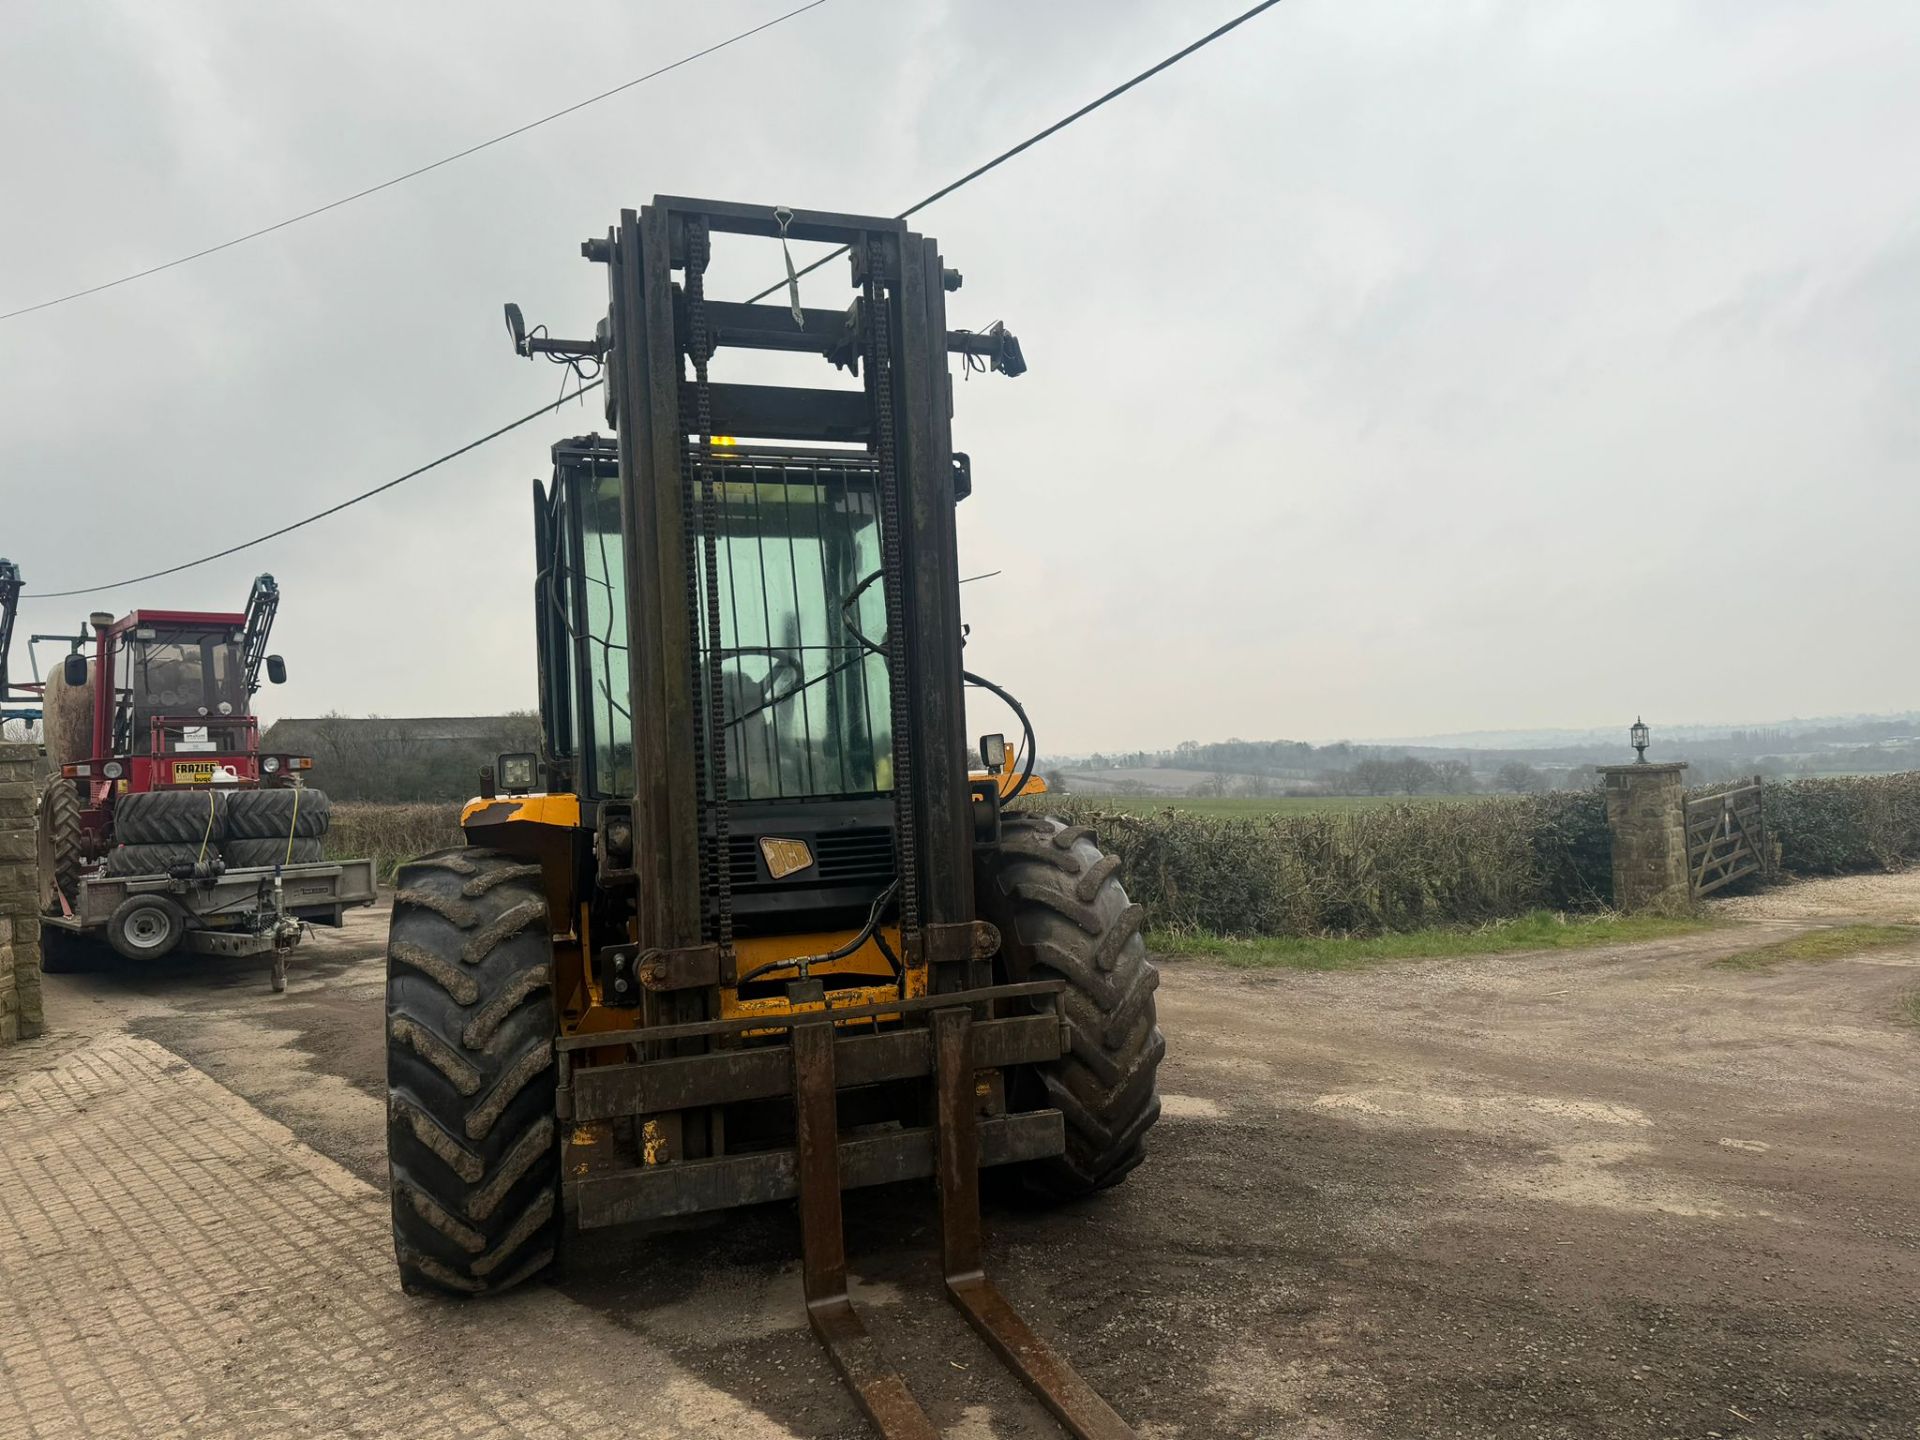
164 824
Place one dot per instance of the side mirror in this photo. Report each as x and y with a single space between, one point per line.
73 670
276 670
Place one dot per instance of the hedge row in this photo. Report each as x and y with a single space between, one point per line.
1406 866
390 834
1831 827
1396 868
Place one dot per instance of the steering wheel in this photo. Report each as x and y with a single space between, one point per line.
786 674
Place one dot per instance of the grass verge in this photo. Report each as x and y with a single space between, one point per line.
1817 945
1538 930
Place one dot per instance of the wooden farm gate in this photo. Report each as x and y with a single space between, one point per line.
1726 837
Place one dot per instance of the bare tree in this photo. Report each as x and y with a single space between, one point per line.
1521 778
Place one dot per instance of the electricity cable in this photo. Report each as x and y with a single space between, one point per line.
793 276
322 514
939 194
414 173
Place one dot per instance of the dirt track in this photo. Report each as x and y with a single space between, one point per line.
1592 1193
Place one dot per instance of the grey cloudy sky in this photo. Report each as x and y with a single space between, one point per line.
1396 367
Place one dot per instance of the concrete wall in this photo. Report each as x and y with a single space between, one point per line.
20 1012
1647 813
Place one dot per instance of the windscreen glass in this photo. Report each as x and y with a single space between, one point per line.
187 676
801 616
600 580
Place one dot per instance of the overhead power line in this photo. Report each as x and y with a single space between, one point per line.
941 193
1034 139
415 173
330 510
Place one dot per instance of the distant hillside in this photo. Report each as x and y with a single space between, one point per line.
1907 721
1495 760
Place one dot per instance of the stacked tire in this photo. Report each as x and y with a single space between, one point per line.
275 827
160 830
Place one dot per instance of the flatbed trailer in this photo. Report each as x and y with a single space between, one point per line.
246 911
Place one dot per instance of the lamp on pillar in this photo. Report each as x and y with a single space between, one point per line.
1637 737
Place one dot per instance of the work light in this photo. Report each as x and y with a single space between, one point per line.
516 773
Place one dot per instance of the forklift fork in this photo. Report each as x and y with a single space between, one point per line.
881 1393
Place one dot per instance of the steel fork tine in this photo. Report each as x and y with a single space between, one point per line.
1057 1385
880 1392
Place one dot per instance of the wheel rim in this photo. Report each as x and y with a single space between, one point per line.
148 929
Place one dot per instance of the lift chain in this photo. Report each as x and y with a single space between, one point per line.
893 583
711 779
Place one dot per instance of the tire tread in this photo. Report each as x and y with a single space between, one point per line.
1063 914
472 1141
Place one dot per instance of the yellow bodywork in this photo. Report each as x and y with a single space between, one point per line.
1010 786
545 829
532 809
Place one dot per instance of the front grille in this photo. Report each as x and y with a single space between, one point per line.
840 857
746 861
854 855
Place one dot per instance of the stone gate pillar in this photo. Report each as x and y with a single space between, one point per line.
1647 813
20 1013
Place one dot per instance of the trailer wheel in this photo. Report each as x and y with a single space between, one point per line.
1063 915
473 1149
145 927
60 840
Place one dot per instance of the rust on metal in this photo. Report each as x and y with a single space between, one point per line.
1056 1384
882 1395
685 968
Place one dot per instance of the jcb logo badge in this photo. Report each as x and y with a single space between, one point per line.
784 857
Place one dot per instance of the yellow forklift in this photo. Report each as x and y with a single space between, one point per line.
758 924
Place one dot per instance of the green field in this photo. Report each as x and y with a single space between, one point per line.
1540 930
1246 806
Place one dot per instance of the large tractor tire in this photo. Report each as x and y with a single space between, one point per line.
60 842
171 817
1062 915
124 860
249 854
473 1147
275 814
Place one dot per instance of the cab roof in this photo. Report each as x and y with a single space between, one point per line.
206 618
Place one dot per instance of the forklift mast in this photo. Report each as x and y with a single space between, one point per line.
661 334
